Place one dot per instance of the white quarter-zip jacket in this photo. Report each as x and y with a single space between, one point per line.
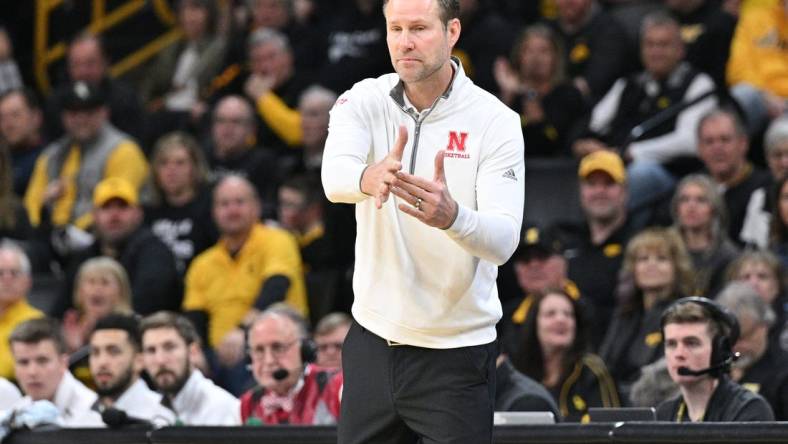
415 284
141 402
74 401
201 403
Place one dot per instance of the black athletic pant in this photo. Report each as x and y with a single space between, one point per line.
396 394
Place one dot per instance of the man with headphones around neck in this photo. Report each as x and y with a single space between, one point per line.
291 390
699 335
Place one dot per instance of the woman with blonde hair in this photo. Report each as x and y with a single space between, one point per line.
700 218
101 287
661 271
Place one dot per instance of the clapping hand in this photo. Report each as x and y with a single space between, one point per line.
427 200
377 179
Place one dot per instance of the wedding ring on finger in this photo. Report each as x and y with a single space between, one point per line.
418 203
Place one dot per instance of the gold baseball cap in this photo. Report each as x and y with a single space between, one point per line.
605 161
114 188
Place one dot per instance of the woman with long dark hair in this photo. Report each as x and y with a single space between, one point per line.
554 351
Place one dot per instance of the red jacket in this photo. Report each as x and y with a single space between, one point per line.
317 402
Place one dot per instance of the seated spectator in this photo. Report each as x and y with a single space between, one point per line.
251 267
533 84
700 218
290 389
313 108
175 84
170 347
101 287
41 367
486 35
775 146
155 283
723 146
707 29
15 283
761 367
299 21
274 85
180 214
87 61
596 46
762 204
758 64
515 392
538 265
68 170
667 142
661 272
553 351
116 363
764 272
20 130
9 394
594 247
233 150
698 336
302 206
329 337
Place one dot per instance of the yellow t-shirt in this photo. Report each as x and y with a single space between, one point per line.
14 315
226 288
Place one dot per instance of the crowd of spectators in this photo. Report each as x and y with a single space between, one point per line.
192 200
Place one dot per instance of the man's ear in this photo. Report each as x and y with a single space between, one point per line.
453 29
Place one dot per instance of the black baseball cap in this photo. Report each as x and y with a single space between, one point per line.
82 96
535 242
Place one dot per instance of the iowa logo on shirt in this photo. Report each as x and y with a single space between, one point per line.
456 145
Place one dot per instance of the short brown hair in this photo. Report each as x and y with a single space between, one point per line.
449 9
34 331
693 313
168 319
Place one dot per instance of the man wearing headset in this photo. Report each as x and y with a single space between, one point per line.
291 390
699 335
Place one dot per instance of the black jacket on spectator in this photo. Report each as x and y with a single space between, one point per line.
515 392
125 108
634 339
187 230
588 385
769 378
563 106
737 197
594 268
707 33
729 402
598 52
155 283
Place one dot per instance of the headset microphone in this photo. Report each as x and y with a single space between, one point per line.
280 374
685 371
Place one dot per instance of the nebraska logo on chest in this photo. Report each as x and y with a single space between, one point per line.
456 147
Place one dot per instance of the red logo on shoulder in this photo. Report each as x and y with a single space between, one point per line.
456 146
